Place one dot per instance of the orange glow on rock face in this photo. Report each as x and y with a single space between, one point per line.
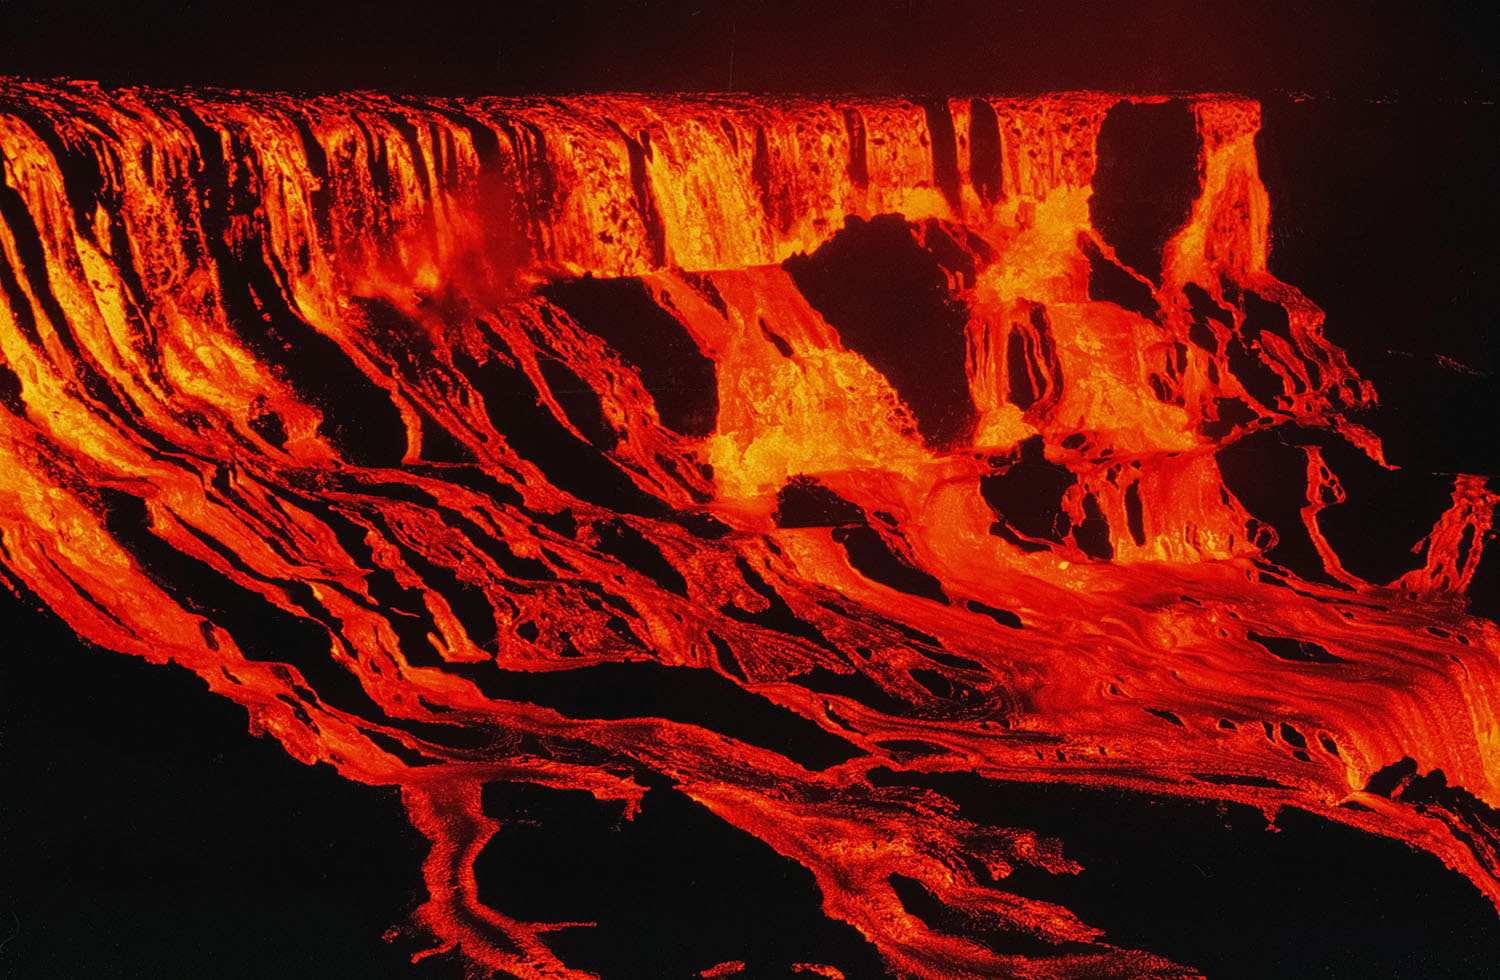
751 449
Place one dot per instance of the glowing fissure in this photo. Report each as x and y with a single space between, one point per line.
383 415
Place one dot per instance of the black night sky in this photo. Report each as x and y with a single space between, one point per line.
1380 50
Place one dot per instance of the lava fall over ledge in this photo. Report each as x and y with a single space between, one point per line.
781 455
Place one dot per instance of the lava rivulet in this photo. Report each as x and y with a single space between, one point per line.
758 450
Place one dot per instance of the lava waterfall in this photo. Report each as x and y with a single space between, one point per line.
781 458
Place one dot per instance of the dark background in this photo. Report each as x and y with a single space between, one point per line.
145 834
1366 50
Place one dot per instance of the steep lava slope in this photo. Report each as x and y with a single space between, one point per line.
759 451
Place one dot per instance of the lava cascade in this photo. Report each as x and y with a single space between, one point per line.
758 450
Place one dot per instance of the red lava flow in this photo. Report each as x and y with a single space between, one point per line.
434 432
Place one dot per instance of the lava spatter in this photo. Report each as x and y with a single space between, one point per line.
749 449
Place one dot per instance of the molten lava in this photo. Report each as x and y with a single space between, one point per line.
762 451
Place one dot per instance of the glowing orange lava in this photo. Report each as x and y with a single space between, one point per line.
434 432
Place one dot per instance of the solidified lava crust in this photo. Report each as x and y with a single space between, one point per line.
775 455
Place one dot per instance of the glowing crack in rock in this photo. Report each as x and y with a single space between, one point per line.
760 450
